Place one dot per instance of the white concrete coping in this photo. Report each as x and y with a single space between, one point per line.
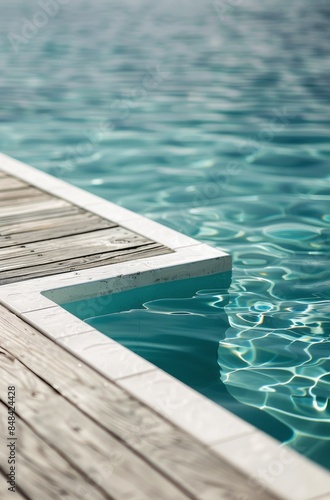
267 464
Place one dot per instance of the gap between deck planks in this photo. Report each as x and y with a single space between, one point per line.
42 235
78 428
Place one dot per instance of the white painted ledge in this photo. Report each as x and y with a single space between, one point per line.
288 475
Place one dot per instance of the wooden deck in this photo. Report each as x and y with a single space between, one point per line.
79 435
42 235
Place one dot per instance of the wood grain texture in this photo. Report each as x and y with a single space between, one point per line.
175 454
48 229
30 206
3 483
51 223
42 235
4 493
24 192
56 210
10 183
39 271
42 473
85 445
22 196
78 245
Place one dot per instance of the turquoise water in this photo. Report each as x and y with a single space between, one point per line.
177 326
212 118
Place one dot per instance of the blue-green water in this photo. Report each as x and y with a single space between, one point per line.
212 118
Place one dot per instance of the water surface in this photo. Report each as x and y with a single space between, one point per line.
212 118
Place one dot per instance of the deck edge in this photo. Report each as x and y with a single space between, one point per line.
140 377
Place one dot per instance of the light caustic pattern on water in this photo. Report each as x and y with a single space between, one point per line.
212 117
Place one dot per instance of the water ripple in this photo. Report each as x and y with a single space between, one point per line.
227 142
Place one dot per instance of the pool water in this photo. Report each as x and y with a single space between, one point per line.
177 326
213 118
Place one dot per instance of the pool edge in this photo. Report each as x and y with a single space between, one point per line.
26 299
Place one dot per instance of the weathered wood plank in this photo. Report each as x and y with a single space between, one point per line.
28 206
95 452
62 209
173 452
52 228
18 227
41 235
43 473
3 482
8 183
79 245
142 251
4 493
12 195
22 196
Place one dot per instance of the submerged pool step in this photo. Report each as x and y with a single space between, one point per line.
59 244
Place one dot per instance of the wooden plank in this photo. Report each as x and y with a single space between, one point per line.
8 183
47 211
88 262
18 226
15 195
22 196
69 247
28 206
4 493
3 481
52 228
43 473
93 451
43 235
173 452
